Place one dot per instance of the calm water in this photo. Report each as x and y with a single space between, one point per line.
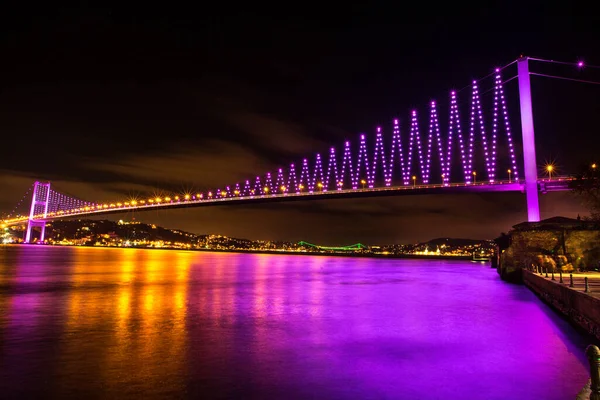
121 323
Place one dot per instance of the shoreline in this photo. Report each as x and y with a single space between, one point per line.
277 252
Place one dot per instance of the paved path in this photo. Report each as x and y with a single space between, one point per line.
578 281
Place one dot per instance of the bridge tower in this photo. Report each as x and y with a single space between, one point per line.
39 205
529 159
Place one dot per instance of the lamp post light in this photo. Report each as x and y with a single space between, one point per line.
509 178
300 187
266 190
320 186
340 184
282 189
414 178
549 169
363 183
474 177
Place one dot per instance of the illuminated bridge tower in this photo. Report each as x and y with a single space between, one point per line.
39 209
529 159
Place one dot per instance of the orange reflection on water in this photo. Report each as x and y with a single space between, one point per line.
118 315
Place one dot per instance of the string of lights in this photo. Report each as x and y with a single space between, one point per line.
374 164
20 203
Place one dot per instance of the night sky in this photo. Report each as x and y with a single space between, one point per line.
109 103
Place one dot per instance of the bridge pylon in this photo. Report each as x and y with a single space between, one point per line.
39 206
529 158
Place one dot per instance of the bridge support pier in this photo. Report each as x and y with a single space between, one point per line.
529 159
39 205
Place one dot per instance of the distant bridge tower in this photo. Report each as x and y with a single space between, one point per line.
39 207
529 159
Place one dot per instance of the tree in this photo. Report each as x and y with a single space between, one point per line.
586 186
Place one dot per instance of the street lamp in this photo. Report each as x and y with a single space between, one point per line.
474 177
300 187
320 186
594 166
549 169
266 189
509 172
340 184
283 188
363 183
414 178
236 192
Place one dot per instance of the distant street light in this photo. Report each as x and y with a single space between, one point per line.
283 188
340 184
509 178
300 187
594 166
266 189
320 186
414 178
363 183
474 177
549 169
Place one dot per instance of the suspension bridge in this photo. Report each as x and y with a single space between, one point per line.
421 161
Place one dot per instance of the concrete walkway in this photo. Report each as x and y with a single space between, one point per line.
578 281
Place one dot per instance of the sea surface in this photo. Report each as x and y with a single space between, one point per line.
100 323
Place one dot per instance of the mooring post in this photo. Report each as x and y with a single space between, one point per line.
560 276
571 280
587 287
593 355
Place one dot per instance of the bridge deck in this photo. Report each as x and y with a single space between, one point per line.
432 189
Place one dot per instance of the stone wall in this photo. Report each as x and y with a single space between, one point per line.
581 309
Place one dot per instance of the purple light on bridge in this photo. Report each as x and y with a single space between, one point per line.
434 130
414 136
347 166
318 174
477 117
332 165
379 153
580 64
529 158
363 159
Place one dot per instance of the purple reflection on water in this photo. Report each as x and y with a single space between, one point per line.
150 324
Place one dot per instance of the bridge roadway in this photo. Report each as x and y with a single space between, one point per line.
557 184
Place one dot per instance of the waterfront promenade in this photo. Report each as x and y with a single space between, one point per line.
578 303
